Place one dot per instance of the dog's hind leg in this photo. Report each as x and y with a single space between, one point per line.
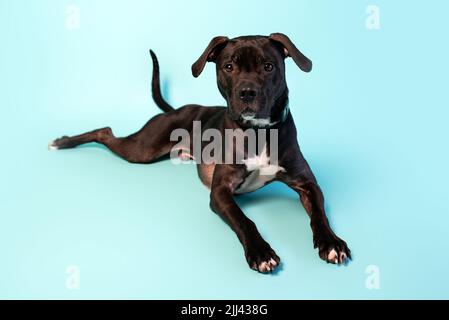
144 146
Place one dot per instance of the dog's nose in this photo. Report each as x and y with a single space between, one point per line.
248 94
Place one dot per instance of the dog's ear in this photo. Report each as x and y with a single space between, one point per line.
290 50
210 54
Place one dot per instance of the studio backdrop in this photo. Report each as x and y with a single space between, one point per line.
372 120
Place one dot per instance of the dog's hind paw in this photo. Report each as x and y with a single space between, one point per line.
52 145
333 250
262 258
61 143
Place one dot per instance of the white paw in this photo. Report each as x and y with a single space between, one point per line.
267 266
52 146
336 257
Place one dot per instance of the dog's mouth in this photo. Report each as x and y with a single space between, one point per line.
256 122
250 118
248 114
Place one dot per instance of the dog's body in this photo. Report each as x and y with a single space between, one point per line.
251 77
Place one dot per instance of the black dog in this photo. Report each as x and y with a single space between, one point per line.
251 77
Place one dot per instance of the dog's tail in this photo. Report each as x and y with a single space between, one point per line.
156 86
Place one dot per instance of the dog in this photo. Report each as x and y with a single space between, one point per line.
251 77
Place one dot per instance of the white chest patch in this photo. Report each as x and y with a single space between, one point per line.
261 172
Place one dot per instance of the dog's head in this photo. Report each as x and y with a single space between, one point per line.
251 75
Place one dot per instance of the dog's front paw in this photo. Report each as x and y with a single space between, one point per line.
261 257
332 249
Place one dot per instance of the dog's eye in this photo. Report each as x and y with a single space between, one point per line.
268 67
228 67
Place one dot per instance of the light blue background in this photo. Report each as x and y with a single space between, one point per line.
372 119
